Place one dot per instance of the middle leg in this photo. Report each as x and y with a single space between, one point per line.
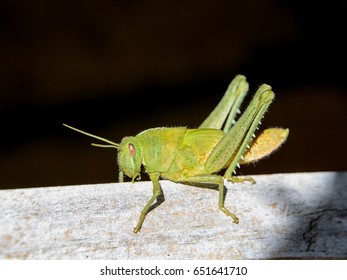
218 180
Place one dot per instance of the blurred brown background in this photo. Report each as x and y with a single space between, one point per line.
115 68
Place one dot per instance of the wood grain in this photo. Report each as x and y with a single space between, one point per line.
283 216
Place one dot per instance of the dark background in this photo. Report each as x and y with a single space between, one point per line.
115 68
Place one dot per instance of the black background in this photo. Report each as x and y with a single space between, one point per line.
115 68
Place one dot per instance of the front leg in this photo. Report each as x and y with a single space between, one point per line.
157 195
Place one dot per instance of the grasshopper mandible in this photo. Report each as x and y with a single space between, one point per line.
193 156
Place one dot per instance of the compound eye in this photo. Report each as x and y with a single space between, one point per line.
132 150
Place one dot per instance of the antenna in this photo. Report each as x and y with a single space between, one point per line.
112 144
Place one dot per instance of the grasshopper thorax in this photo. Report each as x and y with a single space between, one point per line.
130 156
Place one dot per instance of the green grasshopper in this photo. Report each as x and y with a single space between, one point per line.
196 156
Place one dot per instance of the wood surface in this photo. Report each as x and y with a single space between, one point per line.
282 216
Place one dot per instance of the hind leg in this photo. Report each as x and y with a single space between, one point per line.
226 110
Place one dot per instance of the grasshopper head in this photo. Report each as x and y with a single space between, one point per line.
129 152
130 156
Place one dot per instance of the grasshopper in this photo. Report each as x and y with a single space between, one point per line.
196 156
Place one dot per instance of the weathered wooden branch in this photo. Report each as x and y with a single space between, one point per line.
301 215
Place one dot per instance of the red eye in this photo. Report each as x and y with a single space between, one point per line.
132 151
